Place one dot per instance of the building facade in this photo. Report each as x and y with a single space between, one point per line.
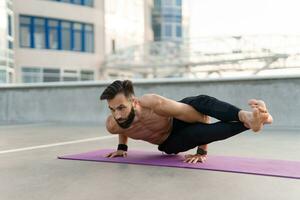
7 65
58 40
167 20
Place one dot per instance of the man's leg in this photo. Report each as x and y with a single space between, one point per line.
213 107
226 112
197 134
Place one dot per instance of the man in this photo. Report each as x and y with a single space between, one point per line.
176 126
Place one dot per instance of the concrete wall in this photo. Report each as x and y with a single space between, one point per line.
79 102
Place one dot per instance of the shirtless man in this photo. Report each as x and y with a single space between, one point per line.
176 126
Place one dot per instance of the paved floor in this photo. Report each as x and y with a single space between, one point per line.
31 171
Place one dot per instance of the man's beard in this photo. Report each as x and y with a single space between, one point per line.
128 121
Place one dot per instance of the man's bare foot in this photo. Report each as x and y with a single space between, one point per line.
261 106
258 117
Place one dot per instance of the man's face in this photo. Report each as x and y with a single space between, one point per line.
122 110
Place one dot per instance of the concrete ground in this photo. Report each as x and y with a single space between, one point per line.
33 172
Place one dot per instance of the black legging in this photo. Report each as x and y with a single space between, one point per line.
185 136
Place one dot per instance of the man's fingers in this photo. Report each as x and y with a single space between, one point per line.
192 160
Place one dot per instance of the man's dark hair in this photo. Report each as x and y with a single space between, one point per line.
117 87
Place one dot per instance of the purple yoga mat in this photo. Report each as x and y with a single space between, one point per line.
266 167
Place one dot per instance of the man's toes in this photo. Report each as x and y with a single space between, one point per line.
252 102
269 120
256 126
262 109
262 104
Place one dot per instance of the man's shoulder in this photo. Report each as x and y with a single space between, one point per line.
149 100
111 125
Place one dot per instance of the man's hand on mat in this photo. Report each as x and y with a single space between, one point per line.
118 153
194 158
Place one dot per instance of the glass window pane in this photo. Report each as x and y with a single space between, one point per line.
178 31
39 21
88 27
66 1
157 31
31 75
24 20
70 75
89 3
10 45
25 36
2 76
53 23
51 75
77 26
9 25
89 42
168 30
65 24
39 33
53 38
86 75
66 36
77 41
77 1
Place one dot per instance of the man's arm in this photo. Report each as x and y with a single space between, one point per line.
168 107
113 129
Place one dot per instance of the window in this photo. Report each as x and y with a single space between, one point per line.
178 2
88 38
2 76
51 75
86 75
113 46
66 35
25 32
52 40
31 75
157 3
168 30
9 24
89 3
44 33
167 2
10 44
77 37
178 31
39 33
157 31
70 75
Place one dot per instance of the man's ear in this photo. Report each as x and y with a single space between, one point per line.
134 101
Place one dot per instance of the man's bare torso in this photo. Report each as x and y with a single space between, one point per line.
147 126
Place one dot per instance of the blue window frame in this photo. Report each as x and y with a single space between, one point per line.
48 33
89 3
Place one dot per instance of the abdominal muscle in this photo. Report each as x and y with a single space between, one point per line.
149 126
